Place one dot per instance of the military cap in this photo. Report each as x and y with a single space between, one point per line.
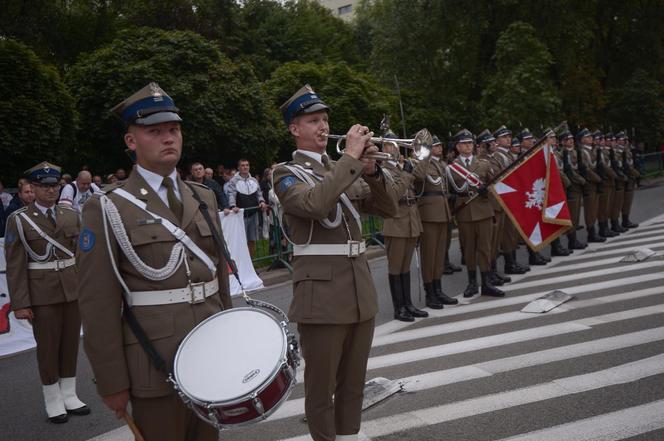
501 131
435 141
609 135
548 132
150 105
303 101
597 134
516 142
583 132
621 135
525 134
485 136
565 135
44 173
463 135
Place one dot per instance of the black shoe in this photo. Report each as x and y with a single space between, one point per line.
605 231
81 411
594 237
557 249
431 297
488 289
60 419
616 227
573 243
534 258
495 280
442 297
448 270
505 279
405 290
471 289
400 312
511 266
626 223
496 275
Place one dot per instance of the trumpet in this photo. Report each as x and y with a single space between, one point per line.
420 145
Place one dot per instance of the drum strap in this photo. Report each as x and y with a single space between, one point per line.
154 356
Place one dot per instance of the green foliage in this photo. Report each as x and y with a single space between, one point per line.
37 117
225 112
353 97
521 92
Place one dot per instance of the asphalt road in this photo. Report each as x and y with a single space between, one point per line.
590 369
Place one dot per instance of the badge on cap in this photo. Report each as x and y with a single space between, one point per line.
86 240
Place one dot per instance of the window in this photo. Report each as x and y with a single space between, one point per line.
345 9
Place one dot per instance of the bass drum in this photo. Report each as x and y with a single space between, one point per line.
236 367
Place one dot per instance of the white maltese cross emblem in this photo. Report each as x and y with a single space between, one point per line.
536 197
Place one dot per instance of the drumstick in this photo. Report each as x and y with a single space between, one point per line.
134 428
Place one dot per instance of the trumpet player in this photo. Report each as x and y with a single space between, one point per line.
401 232
435 213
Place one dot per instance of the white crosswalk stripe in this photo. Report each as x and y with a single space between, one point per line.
605 344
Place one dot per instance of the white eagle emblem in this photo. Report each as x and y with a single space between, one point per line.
536 197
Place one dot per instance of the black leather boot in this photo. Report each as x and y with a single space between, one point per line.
605 231
442 297
557 248
510 265
616 227
471 289
497 275
488 289
626 223
400 312
593 236
408 302
431 298
573 243
534 258
516 262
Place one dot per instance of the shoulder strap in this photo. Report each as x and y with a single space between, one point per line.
43 235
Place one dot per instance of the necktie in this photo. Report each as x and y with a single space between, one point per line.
467 161
173 201
49 216
326 162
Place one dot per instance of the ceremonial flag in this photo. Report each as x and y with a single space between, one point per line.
533 196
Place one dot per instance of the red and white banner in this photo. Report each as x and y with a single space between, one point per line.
533 196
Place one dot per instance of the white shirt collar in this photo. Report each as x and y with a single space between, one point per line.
466 158
154 180
313 155
43 209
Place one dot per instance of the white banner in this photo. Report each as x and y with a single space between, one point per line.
15 335
236 239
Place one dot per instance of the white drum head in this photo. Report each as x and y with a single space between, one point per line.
230 355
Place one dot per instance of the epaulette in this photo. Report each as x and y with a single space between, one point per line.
197 184
17 211
109 188
67 207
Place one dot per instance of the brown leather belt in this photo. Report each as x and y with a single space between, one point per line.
407 201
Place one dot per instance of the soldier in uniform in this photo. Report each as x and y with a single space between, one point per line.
449 153
593 183
557 247
487 147
575 189
469 175
608 183
620 183
40 246
401 233
136 243
632 175
431 188
334 298
509 239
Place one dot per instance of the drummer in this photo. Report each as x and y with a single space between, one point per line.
171 287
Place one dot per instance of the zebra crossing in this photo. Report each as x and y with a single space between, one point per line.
591 369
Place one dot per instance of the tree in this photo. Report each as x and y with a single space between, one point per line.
225 111
37 117
521 91
353 97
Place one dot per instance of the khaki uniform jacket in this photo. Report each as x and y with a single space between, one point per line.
497 167
480 207
629 158
561 169
406 223
118 361
432 208
609 173
589 157
37 287
574 176
331 289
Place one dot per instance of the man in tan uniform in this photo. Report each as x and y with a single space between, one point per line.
608 176
621 182
401 233
431 189
468 175
40 245
128 248
632 175
575 189
557 247
593 180
334 298
486 149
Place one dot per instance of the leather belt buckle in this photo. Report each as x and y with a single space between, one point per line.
197 292
353 248
471 193
60 265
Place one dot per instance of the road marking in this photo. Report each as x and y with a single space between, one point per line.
616 252
444 377
611 426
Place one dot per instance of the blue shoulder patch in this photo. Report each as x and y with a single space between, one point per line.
287 182
86 240
10 238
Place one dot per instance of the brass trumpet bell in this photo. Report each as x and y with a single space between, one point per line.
420 144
